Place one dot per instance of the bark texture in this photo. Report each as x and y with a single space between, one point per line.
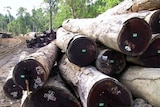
143 83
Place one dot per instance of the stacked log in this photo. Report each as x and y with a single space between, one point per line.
127 35
79 49
151 57
123 33
32 72
94 88
53 94
110 62
143 82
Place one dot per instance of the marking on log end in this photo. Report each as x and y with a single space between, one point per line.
111 61
158 51
22 76
127 48
134 35
84 50
104 58
50 96
101 104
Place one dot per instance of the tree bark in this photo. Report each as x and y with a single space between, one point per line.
36 67
143 83
151 57
124 33
94 88
128 6
53 94
110 62
79 49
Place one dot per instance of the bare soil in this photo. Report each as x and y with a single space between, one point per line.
10 50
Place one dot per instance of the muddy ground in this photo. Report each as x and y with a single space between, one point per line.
10 50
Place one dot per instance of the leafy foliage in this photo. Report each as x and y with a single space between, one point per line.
39 19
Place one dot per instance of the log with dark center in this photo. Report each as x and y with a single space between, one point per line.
53 94
36 67
94 88
12 90
124 33
154 21
79 49
151 57
110 62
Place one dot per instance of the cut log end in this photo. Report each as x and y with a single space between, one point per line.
49 97
134 37
109 93
82 51
12 90
30 70
151 57
155 22
110 62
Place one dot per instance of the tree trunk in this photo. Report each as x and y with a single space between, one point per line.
151 57
53 94
143 83
124 33
128 6
35 68
110 62
79 49
94 88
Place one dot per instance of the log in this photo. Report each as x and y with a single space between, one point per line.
151 57
94 88
143 83
124 33
53 94
32 72
128 6
79 49
110 62
12 90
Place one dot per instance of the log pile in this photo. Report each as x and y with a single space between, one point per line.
105 61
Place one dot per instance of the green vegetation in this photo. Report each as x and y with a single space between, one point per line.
39 19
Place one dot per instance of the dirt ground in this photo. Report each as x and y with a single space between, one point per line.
10 50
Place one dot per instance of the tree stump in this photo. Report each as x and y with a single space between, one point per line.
35 68
94 88
143 83
79 49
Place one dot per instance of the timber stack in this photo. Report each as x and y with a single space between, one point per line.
105 61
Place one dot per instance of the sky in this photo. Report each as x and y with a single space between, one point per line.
15 4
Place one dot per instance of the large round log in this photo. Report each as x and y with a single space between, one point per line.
143 83
32 72
124 33
79 49
12 90
151 57
110 62
94 88
53 94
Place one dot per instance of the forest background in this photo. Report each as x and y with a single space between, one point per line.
39 19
